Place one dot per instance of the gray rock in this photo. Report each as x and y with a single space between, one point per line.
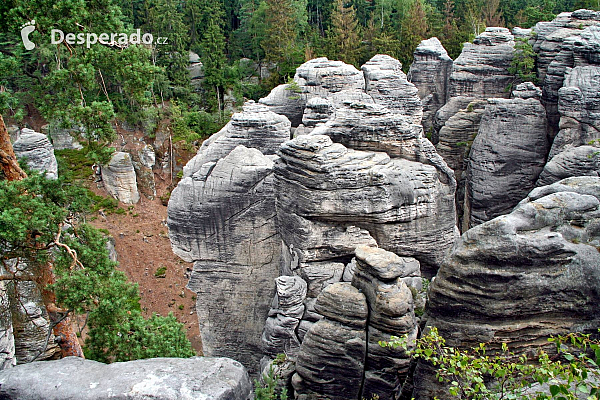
31 325
222 219
74 378
322 77
576 161
285 100
455 141
527 90
120 179
387 85
454 105
331 360
481 70
255 127
430 72
63 138
143 160
7 338
320 180
37 150
522 277
506 158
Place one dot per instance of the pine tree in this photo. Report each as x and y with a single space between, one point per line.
214 61
281 43
414 29
343 35
491 13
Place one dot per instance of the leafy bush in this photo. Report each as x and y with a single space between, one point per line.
480 373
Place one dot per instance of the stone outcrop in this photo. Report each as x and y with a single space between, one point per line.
579 107
120 179
143 160
385 279
74 378
7 338
64 138
455 141
506 158
331 360
570 40
31 325
387 85
37 150
255 127
280 334
523 277
481 70
321 182
222 218
430 72
454 105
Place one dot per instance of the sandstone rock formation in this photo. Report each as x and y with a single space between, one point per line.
566 42
256 127
481 70
506 158
221 217
523 277
579 126
143 160
74 378
120 179
430 72
64 138
331 360
7 338
36 148
455 141
414 214
387 85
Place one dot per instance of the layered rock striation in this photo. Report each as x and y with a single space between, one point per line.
120 179
522 277
38 151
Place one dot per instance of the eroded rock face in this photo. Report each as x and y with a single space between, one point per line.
74 378
430 72
570 40
579 106
506 158
481 70
7 338
119 178
455 141
414 214
256 127
523 277
385 279
221 217
36 148
387 85
331 360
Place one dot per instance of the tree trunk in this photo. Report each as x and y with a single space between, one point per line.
8 161
69 343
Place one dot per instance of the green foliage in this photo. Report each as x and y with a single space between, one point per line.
160 272
268 389
481 373
33 212
523 62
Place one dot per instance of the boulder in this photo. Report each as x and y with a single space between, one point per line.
75 378
64 138
143 160
120 179
523 277
482 69
222 218
430 72
37 150
506 158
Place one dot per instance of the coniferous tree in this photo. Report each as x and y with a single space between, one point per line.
414 29
214 61
343 36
